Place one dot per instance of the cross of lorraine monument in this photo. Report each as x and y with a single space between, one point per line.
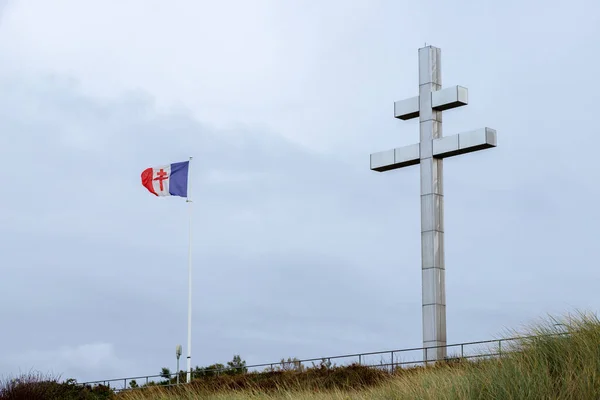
430 153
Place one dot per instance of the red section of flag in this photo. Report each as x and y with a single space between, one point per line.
147 176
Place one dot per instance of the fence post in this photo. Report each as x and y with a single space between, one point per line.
500 347
462 351
360 359
392 365
125 383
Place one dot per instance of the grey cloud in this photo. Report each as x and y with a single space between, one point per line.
297 252
109 260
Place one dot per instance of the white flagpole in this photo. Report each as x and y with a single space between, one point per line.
189 339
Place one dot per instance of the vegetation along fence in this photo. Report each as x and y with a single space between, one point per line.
387 360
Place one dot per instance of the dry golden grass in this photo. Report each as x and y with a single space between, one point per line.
426 384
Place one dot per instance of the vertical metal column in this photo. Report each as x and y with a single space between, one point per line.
432 208
189 332
429 154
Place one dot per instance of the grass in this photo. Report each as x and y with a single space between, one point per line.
547 365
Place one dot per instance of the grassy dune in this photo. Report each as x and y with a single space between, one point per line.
548 365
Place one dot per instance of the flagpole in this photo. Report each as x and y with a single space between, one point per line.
189 338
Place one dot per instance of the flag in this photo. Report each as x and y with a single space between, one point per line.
167 180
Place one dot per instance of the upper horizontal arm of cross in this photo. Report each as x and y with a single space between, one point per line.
445 99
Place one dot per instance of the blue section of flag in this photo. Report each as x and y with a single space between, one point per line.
178 182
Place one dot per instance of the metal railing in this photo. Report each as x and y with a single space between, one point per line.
388 360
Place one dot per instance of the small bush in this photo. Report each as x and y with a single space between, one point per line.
38 387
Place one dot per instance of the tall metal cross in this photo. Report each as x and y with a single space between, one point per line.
430 152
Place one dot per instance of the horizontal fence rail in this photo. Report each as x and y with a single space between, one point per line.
388 360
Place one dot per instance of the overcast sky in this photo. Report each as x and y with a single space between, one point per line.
299 249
